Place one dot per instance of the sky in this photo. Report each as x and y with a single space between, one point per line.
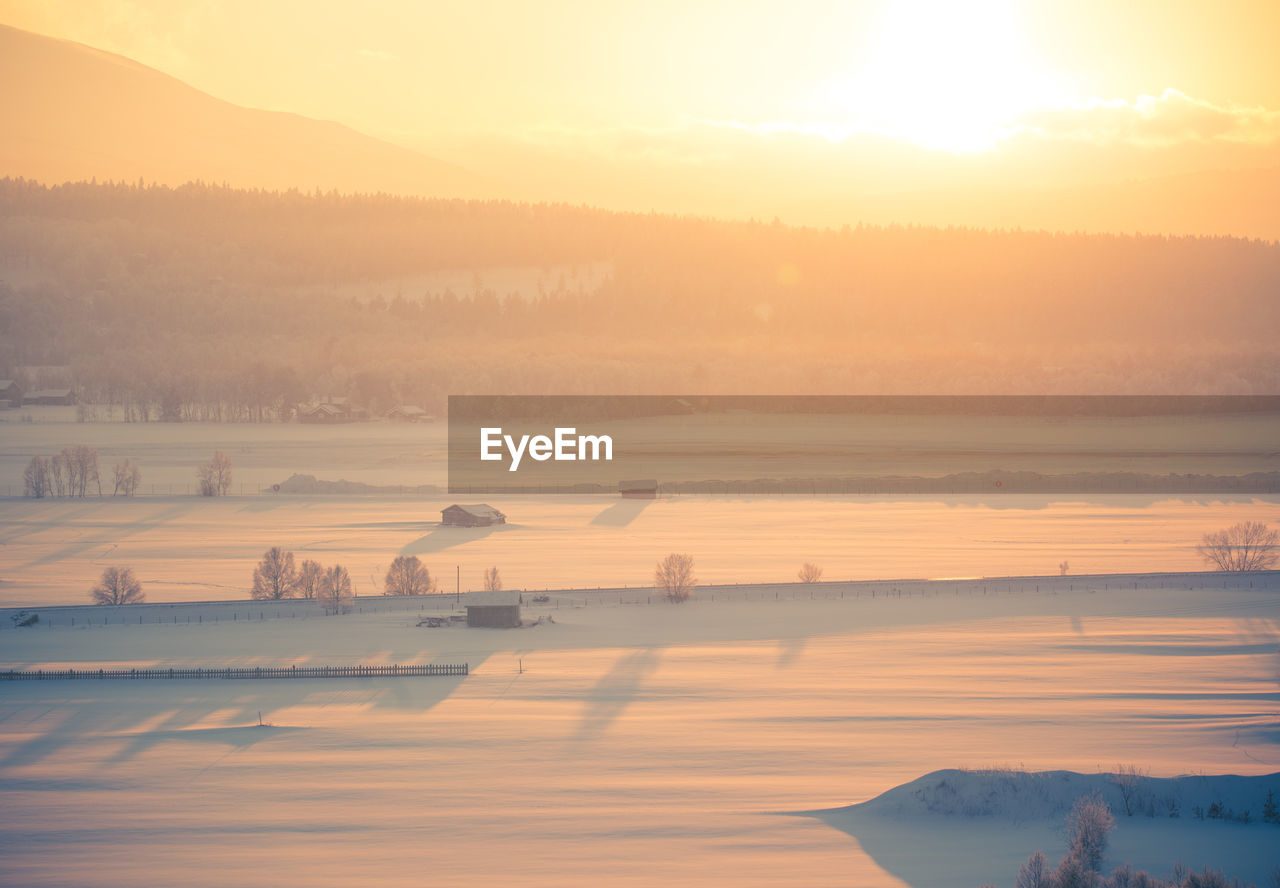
891 94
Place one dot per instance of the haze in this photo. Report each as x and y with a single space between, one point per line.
820 112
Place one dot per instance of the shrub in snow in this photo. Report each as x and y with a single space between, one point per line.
674 577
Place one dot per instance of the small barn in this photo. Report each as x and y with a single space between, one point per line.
641 488
479 515
10 393
494 609
324 413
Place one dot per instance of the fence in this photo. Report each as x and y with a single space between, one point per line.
257 672
536 601
192 613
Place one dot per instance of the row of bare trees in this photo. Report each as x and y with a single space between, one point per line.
75 470
69 473
674 576
277 577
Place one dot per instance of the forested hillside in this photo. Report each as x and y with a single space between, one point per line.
210 302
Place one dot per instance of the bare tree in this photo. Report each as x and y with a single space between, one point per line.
810 573
407 576
37 478
1128 779
117 586
674 577
275 576
1088 823
127 477
71 465
310 575
335 590
75 468
492 582
1250 545
58 471
87 457
215 475
1063 568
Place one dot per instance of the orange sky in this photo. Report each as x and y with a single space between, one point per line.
585 96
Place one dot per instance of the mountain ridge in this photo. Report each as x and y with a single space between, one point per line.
79 112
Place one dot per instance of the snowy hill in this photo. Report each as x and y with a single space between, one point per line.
1048 795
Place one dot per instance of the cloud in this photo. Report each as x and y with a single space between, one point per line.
1167 119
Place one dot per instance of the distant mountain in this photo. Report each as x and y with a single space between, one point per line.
70 112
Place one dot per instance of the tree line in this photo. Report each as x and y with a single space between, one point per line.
72 471
218 304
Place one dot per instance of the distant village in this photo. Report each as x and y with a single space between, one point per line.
317 409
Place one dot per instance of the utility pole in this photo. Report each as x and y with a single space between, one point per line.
457 593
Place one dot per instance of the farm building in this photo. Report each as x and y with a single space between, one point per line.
10 393
327 412
643 488
494 609
49 397
479 515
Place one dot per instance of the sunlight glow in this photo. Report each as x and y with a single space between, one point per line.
944 75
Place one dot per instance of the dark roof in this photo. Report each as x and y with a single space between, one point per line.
640 484
317 409
493 598
479 510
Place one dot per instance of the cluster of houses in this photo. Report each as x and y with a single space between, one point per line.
330 410
12 395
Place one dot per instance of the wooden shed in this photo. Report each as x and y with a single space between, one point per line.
494 609
479 515
641 488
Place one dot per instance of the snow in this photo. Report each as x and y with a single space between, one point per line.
1170 821
638 743
190 548
752 736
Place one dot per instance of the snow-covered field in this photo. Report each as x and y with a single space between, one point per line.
188 548
631 744
192 548
630 741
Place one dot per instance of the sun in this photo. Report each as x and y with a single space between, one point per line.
950 75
